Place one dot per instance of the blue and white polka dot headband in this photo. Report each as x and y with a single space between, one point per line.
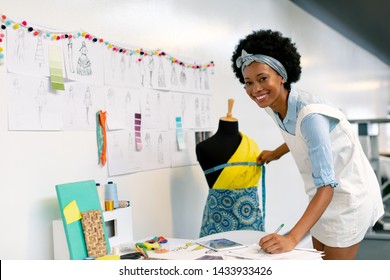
245 59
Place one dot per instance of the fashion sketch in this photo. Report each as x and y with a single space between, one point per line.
197 112
87 103
123 66
148 107
70 55
84 64
141 70
160 149
174 80
41 100
112 61
151 69
183 106
111 99
20 44
206 79
16 87
183 77
39 54
161 73
72 105
196 78
128 108
148 141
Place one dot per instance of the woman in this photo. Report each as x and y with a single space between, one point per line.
344 194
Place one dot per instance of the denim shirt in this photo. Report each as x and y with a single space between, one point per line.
315 129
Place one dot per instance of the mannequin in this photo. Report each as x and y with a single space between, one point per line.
221 146
228 160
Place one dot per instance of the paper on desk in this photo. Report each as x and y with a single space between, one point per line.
253 252
190 251
181 251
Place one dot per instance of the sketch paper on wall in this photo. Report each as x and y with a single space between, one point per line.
115 103
32 104
156 150
83 60
153 70
27 54
154 109
142 92
121 153
186 77
194 110
120 68
202 111
80 104
132 106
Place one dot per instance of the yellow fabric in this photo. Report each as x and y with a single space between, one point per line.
236 177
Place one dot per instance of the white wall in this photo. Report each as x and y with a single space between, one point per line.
170 202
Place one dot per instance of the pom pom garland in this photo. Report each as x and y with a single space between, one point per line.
70 35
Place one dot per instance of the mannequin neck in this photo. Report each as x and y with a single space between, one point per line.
227 127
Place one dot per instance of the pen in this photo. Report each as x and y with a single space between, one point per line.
279 228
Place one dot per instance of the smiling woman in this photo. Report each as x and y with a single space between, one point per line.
34 162
339 180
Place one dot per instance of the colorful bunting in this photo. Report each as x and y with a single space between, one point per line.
57 36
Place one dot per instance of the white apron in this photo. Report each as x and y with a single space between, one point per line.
357 202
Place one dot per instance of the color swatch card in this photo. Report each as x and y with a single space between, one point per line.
180 134
137 128
56 70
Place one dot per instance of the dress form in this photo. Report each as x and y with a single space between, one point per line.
219 148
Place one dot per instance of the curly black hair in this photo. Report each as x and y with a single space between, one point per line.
271 43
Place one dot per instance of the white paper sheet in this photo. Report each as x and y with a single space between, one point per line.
122 157
80 104
32 105
156 150
83 60
27 54
120 69
154 109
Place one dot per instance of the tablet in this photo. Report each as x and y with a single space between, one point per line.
221 244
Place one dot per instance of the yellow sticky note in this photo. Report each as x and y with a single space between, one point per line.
72 212
109 257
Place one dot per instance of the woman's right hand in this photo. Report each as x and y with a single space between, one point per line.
266 157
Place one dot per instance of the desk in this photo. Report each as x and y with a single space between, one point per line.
186 249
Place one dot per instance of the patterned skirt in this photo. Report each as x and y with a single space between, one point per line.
228 210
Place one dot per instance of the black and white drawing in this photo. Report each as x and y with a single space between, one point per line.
84 64
39 53
70 55
41 100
